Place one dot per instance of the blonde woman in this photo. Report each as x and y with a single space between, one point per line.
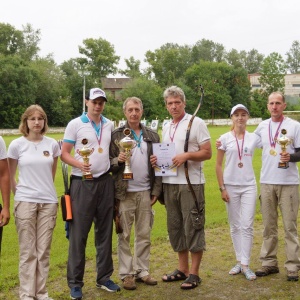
238 186
35 207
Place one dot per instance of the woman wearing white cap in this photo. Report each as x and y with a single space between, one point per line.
238 186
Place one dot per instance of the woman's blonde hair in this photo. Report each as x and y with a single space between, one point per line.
23 127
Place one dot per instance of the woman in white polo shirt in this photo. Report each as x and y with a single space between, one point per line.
35 208
238 186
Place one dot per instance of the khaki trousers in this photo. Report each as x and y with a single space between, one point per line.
135 209
286 197
35 224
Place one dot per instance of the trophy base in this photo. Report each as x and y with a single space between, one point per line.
87 176
127 176
283 165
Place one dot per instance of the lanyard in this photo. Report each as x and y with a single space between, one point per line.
172 136
271 139
98 132
138 139
240 150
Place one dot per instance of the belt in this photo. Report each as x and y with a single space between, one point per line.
94 178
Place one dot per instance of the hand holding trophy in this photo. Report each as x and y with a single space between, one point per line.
85 152
126 144
283 141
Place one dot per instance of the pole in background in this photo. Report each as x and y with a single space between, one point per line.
83 95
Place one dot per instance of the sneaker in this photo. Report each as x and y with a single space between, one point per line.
109 286
266 270
76 293
292 276
129 282
148 280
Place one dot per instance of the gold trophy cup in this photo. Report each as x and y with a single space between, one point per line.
126 144
283 141
85 152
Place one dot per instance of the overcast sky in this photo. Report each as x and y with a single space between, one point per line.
136 26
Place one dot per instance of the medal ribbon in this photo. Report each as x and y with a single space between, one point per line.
240 151
271 139
98 131
172 137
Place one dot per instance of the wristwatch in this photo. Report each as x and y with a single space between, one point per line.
222 188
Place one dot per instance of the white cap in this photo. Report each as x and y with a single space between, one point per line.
239 106
96 93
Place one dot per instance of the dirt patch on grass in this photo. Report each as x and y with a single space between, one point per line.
216 283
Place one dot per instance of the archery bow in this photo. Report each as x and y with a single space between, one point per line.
186 145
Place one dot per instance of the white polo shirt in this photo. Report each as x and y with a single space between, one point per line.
80 129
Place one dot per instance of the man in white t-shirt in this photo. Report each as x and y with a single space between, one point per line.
279 188
186 237
92 198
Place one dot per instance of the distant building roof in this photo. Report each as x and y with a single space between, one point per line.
114 83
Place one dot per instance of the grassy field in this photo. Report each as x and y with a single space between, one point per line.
216 263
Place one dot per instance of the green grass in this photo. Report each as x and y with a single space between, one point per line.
215 217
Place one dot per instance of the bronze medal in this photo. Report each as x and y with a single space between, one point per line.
100 150
240 165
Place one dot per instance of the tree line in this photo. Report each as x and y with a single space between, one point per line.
27 78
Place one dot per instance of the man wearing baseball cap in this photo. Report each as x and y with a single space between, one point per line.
92 193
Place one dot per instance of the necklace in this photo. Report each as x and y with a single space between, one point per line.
35 143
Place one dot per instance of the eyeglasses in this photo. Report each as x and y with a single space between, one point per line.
36 119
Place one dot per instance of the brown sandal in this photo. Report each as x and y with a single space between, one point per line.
175 276
193 281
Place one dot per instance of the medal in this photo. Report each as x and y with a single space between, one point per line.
273 152
100 150
240 151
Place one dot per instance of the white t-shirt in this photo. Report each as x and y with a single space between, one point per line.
79 129
139 166
3 154
35 161
270 173
198 135
232 174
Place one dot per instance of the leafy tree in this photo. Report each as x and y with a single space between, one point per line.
52 93
224 87
207 50
100 57
233 57
31 38
250 61
18 85
272 73
151 95
293 58
11 39
133 68
168 63
258 105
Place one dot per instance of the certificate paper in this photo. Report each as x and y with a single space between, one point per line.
164 153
